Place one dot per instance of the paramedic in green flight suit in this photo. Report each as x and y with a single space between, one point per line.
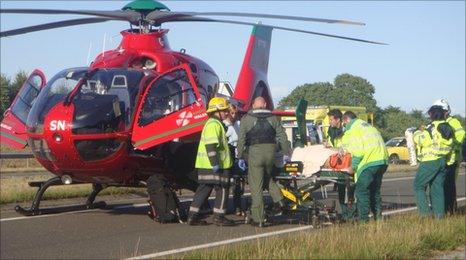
260 131
335 133
433 145
369 161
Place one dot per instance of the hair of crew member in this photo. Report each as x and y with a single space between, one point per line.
369 161
260 131
213 163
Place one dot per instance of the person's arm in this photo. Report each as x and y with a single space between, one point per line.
211 140
242 138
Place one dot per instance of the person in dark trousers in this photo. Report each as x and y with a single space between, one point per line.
260 131
369 161
238 175
433 144
213 162
454 159
345 191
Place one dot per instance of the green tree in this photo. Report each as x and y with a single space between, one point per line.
396 121
16 84
4 93
346 90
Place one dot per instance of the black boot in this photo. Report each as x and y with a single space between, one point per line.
195 220
221 220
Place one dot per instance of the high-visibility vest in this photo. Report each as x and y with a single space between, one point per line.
456 154
432 146
443 146
424 147
366 146
213 133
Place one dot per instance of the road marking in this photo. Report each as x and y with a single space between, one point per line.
407 178
251 237
220 243
391 212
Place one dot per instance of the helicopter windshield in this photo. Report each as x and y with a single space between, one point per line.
105 102
55 91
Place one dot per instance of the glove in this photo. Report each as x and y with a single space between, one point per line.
216 168
242 164
286 158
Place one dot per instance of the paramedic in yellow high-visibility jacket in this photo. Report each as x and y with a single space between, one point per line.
213 163
454 158
433 145
369 163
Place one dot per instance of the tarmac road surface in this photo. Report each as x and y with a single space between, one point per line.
123 230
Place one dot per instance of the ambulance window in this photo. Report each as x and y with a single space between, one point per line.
168 94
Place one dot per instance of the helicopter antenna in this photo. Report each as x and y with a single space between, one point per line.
89 53
103 45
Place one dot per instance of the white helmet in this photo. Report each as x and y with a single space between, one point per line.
443 103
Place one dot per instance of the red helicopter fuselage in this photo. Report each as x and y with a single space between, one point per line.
137 111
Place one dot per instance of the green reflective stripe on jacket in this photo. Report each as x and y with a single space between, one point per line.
456 154
213 133
366 146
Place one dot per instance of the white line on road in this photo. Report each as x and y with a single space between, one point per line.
220 243
246 238
407 178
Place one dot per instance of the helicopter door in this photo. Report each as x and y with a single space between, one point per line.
13 126
171 108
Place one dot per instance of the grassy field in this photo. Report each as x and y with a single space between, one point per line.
17 164
400 237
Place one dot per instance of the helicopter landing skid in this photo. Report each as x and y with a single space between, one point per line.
55 181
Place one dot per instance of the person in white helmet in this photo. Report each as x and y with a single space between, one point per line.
454 158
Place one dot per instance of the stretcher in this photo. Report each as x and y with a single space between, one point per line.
297 190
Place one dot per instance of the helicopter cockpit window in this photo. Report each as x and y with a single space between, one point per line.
168 94
55 91
105 102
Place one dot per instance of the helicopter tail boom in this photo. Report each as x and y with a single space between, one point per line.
252 79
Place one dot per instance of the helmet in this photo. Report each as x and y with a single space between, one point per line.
217 104
443 103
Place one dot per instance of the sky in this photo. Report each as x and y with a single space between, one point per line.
424 61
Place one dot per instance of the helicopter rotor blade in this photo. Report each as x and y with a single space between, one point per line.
154 14
203 19
128 15
53 25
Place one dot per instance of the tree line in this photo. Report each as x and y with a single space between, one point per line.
346 90
350 90
9 88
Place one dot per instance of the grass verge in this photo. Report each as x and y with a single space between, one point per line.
400 237
17 190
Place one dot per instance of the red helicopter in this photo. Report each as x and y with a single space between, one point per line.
138 110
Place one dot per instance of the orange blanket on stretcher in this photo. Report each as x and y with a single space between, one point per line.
316 157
